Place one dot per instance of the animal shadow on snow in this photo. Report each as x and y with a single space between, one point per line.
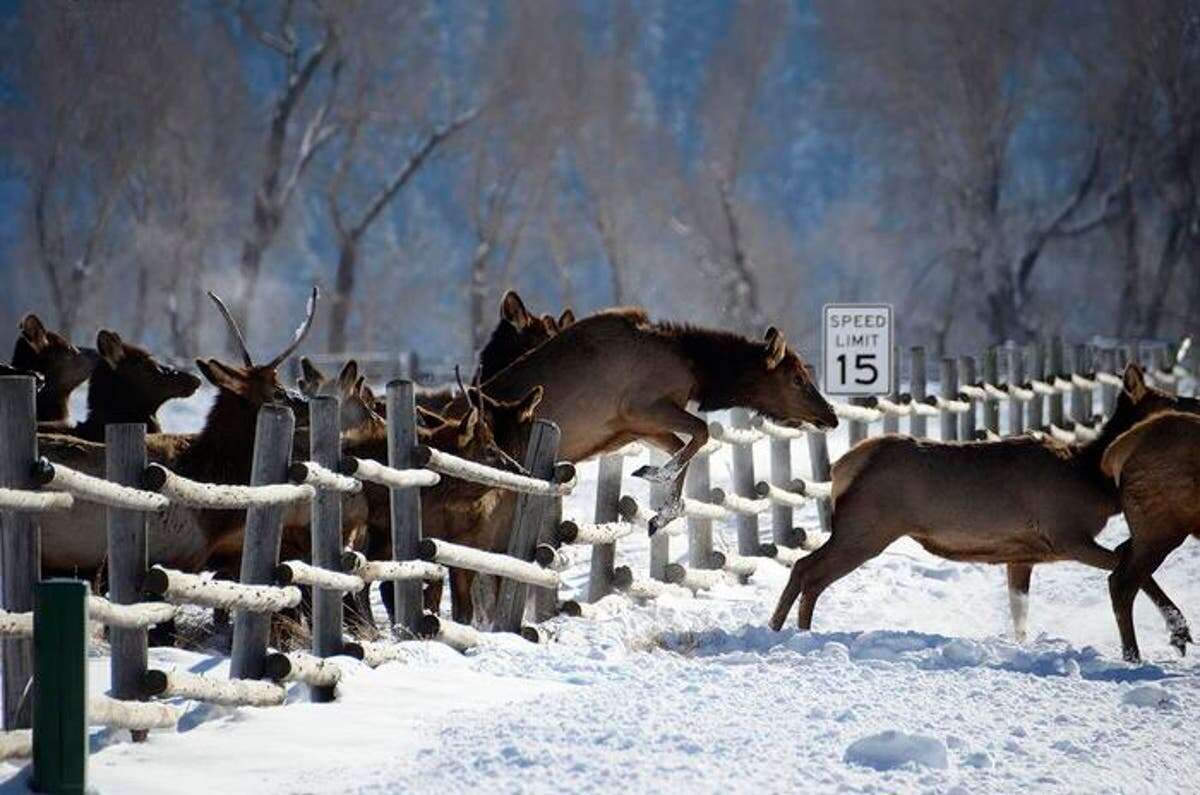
1047 657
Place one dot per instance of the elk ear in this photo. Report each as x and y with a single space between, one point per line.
34 332
776 347
527 406
466 430
348 377
567 318
111 349
222 376
1135 382
512 309
311 377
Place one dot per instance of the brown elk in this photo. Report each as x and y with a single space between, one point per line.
358 404
129 385
1017 501
73 542
63 366
615 377
453 510
517 332
1156 465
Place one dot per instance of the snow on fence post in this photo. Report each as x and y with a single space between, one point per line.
1108 392
781 475
916 422
125 461
818 461
528 519
20 544
743 484
60 733
545 600
1016 377
991 375
949 392
326 528
1055 368
891 422
697 486
608 498
1078 366
966 420
405 502
1037 367
260 547
660 542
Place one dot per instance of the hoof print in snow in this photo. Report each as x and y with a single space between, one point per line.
894 749
1150 696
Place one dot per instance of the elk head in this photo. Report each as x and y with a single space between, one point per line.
63 365
130 382
517 333
357 401
253 384
488 431
784 388
1138 400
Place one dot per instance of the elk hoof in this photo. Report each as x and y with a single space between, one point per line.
1131 655
658 475
1180 638
666 514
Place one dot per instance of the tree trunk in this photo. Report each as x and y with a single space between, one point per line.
1165 277
1128 312
343 291
478 314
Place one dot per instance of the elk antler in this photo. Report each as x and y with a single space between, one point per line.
465 393
301 332
233 328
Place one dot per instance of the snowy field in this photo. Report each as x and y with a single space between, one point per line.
911 682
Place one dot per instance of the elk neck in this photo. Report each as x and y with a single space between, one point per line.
224 450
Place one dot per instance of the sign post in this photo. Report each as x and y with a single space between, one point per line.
858 345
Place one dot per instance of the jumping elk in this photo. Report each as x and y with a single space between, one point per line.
647 374
1018 501
1156 465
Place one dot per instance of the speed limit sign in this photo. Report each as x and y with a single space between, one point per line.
858 349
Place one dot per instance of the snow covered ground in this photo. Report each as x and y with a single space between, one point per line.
911 682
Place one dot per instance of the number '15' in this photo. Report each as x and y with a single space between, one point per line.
862 362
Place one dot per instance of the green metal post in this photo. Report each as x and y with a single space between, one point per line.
60 700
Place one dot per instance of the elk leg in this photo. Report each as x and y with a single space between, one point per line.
431 598
1019 575
662 420
1093 554
1138 562
462 608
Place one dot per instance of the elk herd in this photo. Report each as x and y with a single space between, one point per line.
606 380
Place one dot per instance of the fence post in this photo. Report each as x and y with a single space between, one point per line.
1108 392
1037 367
818 462
781 474
891 422
949 392
966 420
743 485
858 429
260 546
1016 377
405 504
1054 369
545 600
608 499
698 486
60 641
916 386
991 375
1089 371
660 543
326 533
528 520
125 461
1164 363
1078 365
20 542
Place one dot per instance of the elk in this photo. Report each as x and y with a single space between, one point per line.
73 542
518 332
615 377
63 367
454 510
358 404
1017 501
1156 465
129 385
